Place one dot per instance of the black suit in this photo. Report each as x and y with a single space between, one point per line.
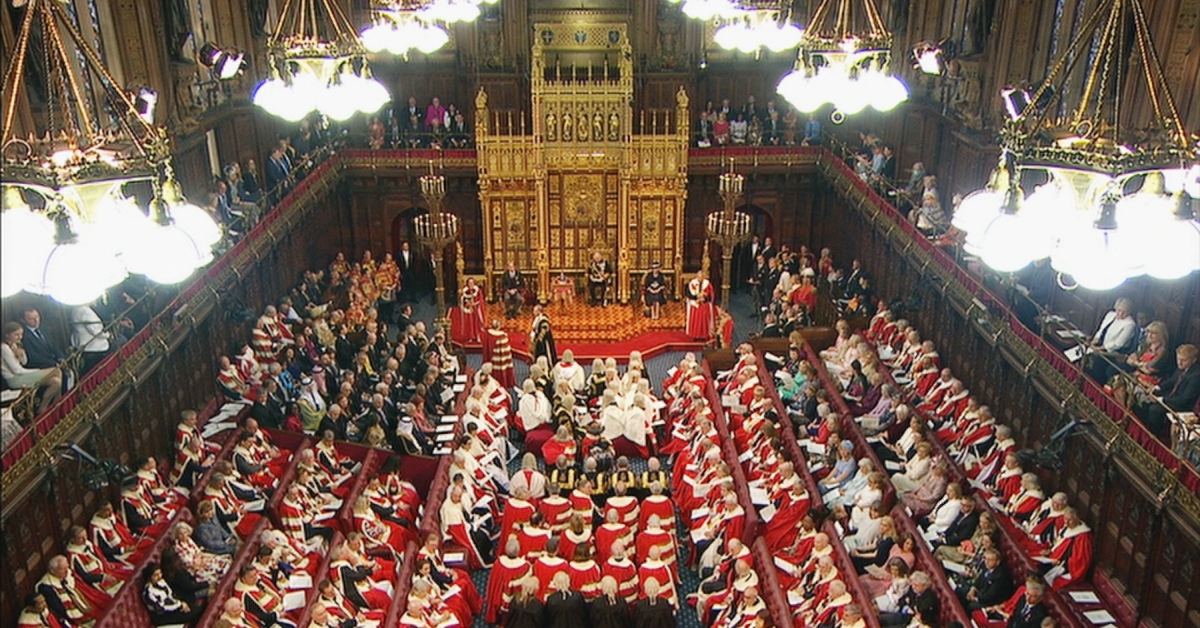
992 586
1179 392
911 604
1026 616
962 529
39 350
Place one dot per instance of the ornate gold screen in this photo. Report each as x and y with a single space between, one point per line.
582 182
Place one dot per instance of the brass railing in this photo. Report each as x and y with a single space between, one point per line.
998 332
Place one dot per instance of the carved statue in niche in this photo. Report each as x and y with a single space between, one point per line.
551 127
598 126
492 53
187 108
177 27
581 129
614 127
568 127
668 42
257 9
979 25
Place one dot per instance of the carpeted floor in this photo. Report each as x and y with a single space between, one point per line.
656 368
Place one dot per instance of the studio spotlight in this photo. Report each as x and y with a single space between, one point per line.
225 64
929 58
1016 99
144 103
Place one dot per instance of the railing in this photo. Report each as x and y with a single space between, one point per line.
1122 432
131 363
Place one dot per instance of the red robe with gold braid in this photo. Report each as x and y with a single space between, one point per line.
626 575
503 584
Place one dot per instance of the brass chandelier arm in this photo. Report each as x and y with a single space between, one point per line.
1154 71
114 91
56 46
12 77
1102 67
284 13
1066 62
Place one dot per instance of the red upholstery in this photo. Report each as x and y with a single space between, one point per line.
371 463
127 609
788 433
322 574
289 474
848 575
403 585
768 584
730 454
245 554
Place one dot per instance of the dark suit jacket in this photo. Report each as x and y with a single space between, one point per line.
962 529
1025 616
40 351
1179 391
925 604
993 586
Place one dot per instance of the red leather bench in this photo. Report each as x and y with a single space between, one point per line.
768 584
848 575
403 586
127 609
787 431
289 474
244 555
322 574
372 461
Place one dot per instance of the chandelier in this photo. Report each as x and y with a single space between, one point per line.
434 231
1115 203
759 25
728 227
404 25
843 63
319 64
71 224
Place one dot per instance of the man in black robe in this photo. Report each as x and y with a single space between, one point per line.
542 336
565 608
526 610
653 611
609 610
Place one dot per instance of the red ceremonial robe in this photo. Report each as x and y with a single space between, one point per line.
502 585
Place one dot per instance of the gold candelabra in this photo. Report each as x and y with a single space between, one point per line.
728 227
434 231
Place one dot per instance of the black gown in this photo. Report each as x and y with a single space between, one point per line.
607 613
655 289
527 614
656 615
566 609
543 340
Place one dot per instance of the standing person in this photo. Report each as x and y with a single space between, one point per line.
599 279
565 608
513 286
435 115
498 353
654 290
700 316
542 336
469 324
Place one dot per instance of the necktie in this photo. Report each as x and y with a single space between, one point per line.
1104 330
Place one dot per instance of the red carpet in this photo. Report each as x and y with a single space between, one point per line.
650 344
595 332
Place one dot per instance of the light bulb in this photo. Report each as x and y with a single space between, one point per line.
77 273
